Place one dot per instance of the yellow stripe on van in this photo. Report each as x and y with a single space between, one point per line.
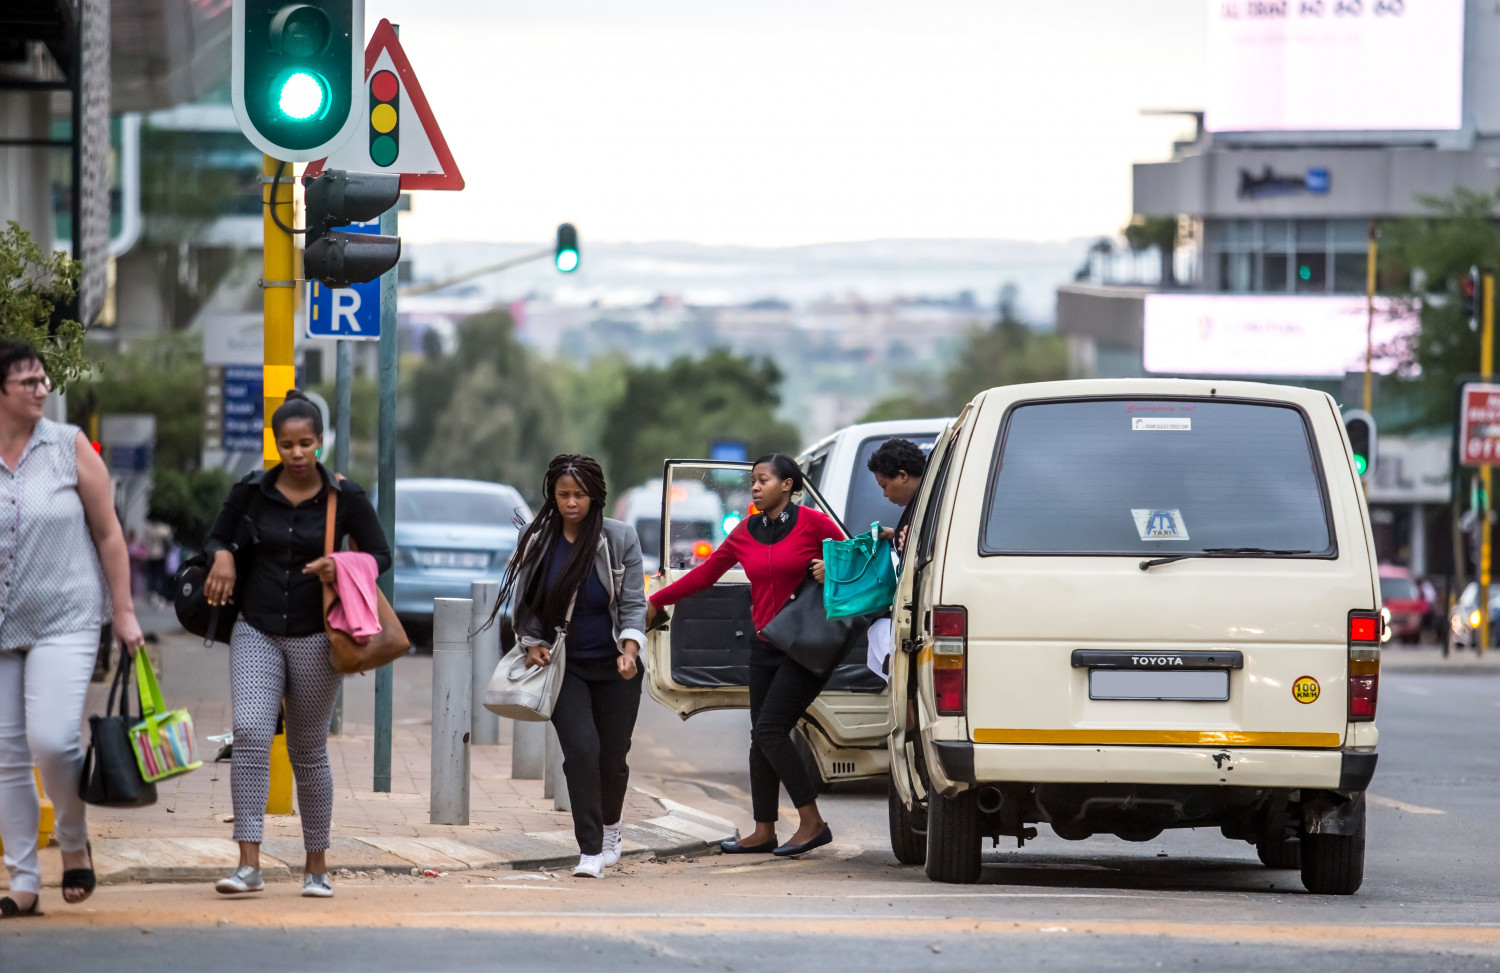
1161 738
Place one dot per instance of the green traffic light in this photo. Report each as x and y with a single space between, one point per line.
730 522
302 95
1360 464
567 261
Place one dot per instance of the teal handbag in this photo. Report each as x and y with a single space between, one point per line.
859 575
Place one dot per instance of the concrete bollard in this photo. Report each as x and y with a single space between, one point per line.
555 784
486 646
452 673
528 750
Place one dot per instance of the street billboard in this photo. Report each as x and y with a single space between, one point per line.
1334 65
1274 335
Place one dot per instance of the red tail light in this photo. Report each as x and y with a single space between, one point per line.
1364 665
950 643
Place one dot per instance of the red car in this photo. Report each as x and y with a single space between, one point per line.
1402 598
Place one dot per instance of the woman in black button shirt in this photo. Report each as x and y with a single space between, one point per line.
273 524
572 559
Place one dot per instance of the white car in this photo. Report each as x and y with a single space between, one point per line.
836 465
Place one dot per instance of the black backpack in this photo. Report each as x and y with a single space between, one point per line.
214 623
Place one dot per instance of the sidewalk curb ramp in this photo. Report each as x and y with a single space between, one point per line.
679 832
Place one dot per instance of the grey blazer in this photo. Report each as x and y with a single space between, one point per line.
617 562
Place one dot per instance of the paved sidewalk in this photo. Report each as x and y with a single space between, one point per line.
187 834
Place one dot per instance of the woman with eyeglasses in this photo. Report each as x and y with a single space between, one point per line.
60 545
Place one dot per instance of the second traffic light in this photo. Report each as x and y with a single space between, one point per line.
566 256
338 198
1361 428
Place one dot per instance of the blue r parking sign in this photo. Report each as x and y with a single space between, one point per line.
348 313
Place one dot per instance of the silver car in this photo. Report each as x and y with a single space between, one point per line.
450 533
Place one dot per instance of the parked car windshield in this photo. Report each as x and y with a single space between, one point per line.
1156 477
1398 589
866 504
424 505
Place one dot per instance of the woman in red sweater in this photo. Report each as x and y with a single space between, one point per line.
777 548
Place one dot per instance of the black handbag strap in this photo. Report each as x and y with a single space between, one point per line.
121 686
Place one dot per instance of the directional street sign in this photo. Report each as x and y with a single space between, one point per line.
347 313
399 133
243 402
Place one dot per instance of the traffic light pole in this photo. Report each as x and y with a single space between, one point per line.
278 284
386 479
1370 260
1486 370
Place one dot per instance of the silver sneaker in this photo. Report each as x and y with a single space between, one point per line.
242 879
316 886
589 866
614 843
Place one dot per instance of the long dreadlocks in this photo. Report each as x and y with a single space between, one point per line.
534 549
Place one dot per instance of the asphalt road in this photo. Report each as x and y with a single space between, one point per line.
1186 900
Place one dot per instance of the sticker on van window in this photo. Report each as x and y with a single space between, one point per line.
1143 424
1159 525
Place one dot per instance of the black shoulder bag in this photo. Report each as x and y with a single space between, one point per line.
804 632
214 623
111 776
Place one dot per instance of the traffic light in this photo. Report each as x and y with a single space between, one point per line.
567 248
1361 428
1468 289
338 198
296 69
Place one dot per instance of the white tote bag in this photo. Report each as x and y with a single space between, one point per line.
523 694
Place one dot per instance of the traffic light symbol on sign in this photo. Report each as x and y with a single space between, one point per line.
385 118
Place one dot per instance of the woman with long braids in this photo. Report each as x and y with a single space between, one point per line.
577 570
777 547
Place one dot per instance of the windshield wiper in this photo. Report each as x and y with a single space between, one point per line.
1221 552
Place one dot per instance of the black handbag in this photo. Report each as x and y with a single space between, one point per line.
803 631
211 623
111 775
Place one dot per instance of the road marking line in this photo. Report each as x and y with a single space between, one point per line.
947 895
1401 805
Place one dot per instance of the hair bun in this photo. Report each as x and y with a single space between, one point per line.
296 395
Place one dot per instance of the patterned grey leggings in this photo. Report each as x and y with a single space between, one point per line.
263 669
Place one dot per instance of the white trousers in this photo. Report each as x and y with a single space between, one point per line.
42 693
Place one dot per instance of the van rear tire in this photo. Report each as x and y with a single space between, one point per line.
1286 853
1333 864
954 838
908 829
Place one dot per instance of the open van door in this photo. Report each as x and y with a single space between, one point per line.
701 660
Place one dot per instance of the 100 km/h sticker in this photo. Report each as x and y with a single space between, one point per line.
1305 689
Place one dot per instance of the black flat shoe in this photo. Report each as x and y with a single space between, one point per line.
733 847
82 879
9 909
791 851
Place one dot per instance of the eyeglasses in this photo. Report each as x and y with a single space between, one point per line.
37 383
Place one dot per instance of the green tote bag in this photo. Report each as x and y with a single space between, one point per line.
163 739
859 575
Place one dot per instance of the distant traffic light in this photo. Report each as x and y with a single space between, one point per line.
1468 289
338 198
567 248
296 67
730 522
1361 428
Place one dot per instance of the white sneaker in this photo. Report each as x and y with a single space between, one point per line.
589 866
242 879
614 843
316 886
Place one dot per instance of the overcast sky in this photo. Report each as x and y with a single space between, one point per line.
796 121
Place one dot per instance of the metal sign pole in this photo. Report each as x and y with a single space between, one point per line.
386 480
343 399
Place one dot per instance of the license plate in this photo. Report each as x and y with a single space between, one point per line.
1209 685
453 559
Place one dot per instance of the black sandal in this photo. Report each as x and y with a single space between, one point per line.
80 878
9 909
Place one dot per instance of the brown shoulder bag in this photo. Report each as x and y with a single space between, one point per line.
345 654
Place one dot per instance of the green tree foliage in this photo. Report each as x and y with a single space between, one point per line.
162 377
680 409
188 501
489 412
1145 232
1433 254
32 287
1007 352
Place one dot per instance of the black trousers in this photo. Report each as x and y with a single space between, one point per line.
780 692
594 718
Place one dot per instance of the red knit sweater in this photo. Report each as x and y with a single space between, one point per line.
774 570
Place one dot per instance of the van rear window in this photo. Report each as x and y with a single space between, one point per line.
1156 477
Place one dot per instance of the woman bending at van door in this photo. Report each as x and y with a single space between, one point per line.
579 571
278 648
777 548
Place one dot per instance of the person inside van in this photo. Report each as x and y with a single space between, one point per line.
777 546
899 465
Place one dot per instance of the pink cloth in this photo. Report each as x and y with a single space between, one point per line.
356 611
